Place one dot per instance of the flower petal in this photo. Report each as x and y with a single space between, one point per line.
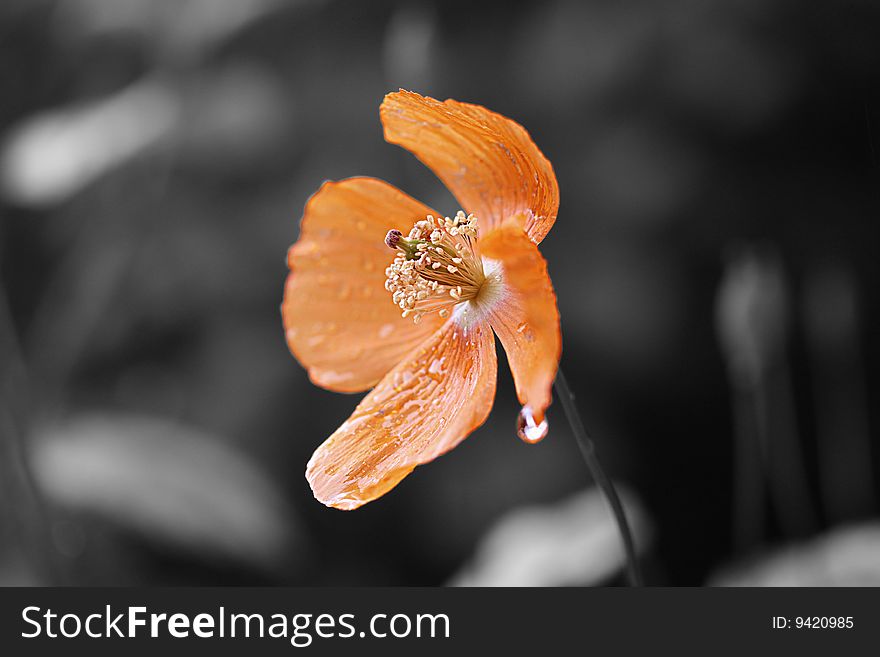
488 161
422 408
525 317
340 321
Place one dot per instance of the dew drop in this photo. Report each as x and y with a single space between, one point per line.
526 332
527 429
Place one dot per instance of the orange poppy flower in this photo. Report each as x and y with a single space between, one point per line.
418 323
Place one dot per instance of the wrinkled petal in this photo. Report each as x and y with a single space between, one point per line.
525 317
340 321
422 408
488 161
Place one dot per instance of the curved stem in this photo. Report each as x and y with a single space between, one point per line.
588 451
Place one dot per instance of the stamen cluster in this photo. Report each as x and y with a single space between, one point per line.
436 265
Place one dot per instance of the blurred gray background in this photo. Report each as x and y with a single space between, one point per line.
715 260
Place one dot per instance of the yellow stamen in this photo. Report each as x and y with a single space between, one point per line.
436 265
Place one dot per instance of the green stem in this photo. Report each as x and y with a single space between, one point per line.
588 451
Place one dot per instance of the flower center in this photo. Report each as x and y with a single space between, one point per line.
436 266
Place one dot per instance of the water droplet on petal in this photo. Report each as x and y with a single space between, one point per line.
526 332
527 429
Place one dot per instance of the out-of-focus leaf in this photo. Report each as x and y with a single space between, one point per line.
231 119
236 119
751 313
574 542
50 157
409 46
181 28
172 483
849 556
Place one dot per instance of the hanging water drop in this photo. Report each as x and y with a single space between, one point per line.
527 429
